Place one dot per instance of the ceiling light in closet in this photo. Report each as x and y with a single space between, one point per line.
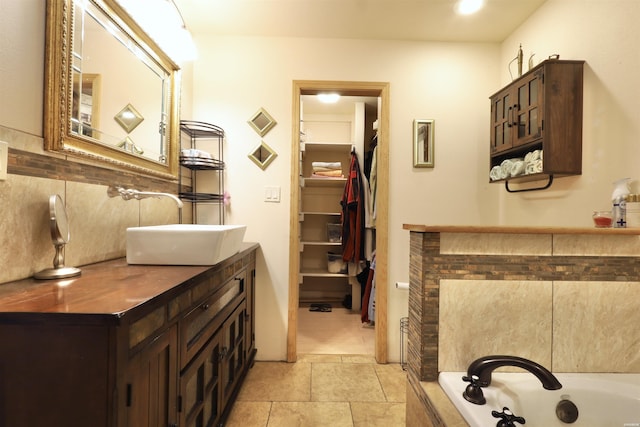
328 98
467 7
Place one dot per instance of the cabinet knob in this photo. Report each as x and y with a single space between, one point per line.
205 306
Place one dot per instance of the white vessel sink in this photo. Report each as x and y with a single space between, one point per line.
183 244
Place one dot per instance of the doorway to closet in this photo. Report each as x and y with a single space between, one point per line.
315 206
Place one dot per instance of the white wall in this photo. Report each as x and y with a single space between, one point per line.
450 83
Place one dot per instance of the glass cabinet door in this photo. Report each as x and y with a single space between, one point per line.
528 110
501 122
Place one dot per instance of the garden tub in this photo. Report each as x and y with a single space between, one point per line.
601 400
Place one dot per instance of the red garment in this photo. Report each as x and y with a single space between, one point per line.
364 311
353 214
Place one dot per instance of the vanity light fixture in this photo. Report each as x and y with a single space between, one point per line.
328 98
468 7
165 25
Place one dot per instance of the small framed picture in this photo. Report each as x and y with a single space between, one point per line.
423 139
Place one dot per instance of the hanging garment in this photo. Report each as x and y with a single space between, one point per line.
352 203
368 297
368 156
373 187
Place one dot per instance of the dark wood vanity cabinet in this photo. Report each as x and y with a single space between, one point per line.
541 110
137 346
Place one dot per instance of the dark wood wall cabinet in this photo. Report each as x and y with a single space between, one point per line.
128 345
541 111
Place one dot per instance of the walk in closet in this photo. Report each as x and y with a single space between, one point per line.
329 134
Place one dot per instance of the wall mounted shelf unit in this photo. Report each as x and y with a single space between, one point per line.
541 110
205 171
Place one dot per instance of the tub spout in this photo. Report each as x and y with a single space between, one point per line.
479 375
484 366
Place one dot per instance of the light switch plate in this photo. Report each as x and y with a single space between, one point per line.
4 156
272 194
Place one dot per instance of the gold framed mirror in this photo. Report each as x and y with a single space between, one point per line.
262 122
128 118
98 39
263 155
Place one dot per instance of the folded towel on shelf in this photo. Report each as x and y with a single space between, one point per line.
518 168
495 173
326 165
327 174
192 152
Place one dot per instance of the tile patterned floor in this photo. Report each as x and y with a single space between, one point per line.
322 390
335 382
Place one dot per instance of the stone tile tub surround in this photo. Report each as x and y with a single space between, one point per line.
567 298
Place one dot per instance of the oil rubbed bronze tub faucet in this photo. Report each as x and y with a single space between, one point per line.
479 375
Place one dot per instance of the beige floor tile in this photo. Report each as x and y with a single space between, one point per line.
249 414
345 382
310 414
277 381
393 380
378 414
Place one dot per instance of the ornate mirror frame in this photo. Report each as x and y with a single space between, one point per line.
58 135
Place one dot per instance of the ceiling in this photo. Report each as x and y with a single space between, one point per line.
433 20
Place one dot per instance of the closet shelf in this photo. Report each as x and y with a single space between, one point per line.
318 272
320 243
320 213
324 146
323 182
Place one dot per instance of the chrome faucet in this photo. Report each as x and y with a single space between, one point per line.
130 193
479 375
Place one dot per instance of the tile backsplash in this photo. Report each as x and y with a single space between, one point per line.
97 223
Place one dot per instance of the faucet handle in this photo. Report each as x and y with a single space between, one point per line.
507 418
473 392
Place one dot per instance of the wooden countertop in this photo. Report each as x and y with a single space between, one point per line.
519 230
106 289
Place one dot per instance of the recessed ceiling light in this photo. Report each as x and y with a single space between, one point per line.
467 7
328 98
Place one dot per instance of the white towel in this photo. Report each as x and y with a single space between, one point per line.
192 152
534 167
533 156
505 168
507 165
326 165
495 173
518 168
